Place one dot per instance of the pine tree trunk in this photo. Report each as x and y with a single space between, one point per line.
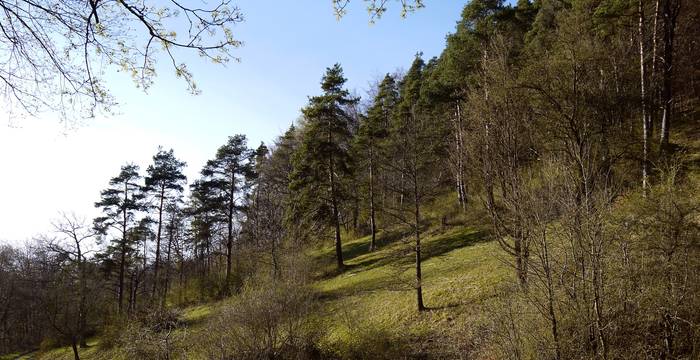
372 218
419 275
338 244
122 255
167 268
229 237
275 261
334 203
156 266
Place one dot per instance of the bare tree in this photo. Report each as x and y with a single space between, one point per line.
54 52
377 8
66 298
504 147
73 245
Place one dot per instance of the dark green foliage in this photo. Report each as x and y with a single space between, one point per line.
165 183
165 174
531 116
323 158
226 180
120 203
370 149
121 200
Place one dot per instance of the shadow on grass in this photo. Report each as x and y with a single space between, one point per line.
384 239
358 248
400 261
450 242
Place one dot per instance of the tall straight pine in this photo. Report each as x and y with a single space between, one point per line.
322 161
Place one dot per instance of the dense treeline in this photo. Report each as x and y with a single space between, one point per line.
553 120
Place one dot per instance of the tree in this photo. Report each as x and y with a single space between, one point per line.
137 268
371 140
73 246
53 51
69 251
504 147
449 85
417 143
174 232
377 8
202 209
323 157
670 11
165 183
229 175
120 203
265 226
280 164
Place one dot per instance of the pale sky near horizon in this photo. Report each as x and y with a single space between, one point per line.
288 45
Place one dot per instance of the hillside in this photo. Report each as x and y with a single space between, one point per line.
530 192
369 310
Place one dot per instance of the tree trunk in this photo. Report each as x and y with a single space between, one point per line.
229 237
167 268
156 266
334 203
459 138
669 16
122 259
419 276
550 298
275 261
372 218
652 103
82 304
520 259
74 345
338 244
642 83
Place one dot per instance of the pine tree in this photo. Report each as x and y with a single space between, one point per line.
371 139
323 158
120 203
165 183
417 143
202 208
228 175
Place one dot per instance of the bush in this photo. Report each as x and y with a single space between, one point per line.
48 343
268 320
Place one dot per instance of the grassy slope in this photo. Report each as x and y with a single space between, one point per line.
372 304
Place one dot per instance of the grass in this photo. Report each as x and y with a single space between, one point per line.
372 304
197 313
460 273
93 351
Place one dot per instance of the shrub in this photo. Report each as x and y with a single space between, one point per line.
269 319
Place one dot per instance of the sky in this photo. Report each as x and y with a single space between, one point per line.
46 168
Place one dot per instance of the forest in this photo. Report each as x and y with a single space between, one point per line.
531 193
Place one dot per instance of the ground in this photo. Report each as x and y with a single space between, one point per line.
372 304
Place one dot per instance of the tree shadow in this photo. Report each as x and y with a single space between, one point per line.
401 261
446 243
384 239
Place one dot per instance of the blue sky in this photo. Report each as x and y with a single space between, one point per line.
287 46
